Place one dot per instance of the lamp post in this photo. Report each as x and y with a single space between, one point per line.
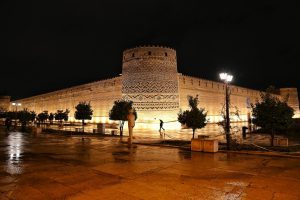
227 78
16 104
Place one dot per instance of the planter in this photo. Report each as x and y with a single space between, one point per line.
283 142
210 146
205 145
197 145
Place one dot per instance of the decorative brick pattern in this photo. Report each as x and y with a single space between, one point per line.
150 78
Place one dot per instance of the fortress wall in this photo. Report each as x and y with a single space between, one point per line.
100 94
212 96
293 99
150 79
4 103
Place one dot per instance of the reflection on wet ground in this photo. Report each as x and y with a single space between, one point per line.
214 131
59 167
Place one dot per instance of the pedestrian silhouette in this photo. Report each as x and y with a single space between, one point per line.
161 124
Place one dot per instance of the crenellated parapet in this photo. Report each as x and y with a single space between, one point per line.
215 86
147 52
150 78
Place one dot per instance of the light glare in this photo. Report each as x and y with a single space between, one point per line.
226 77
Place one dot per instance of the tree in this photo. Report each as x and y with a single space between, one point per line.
43 116
24 117
61 115
32 116
271 114
3 114
51 117
83 112
119 111
195 117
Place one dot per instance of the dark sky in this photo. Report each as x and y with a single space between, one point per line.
47 45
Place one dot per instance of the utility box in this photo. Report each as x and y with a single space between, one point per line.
205 145
101 128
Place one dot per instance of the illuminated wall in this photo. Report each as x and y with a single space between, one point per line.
100 94
212 96
4 103
150 79
293 99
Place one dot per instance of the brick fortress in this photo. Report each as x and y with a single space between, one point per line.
150 79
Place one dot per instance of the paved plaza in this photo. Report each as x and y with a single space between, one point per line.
59 167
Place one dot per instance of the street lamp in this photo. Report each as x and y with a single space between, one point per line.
16 104
227 78
15 115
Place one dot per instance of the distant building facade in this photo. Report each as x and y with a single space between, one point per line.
150 79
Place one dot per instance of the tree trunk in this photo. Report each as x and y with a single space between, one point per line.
121 128
228 141
272 138
193 133
83 125
23 126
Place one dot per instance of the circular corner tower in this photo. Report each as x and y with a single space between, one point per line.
150 80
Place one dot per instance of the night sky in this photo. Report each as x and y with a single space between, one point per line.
47 46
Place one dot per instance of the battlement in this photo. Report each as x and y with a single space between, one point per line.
214 86
144 52
104 83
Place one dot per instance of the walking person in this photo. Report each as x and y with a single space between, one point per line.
161 124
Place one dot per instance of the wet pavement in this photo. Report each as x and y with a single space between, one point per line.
213 131
58 167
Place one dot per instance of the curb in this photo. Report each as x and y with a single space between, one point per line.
160 145
259 153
